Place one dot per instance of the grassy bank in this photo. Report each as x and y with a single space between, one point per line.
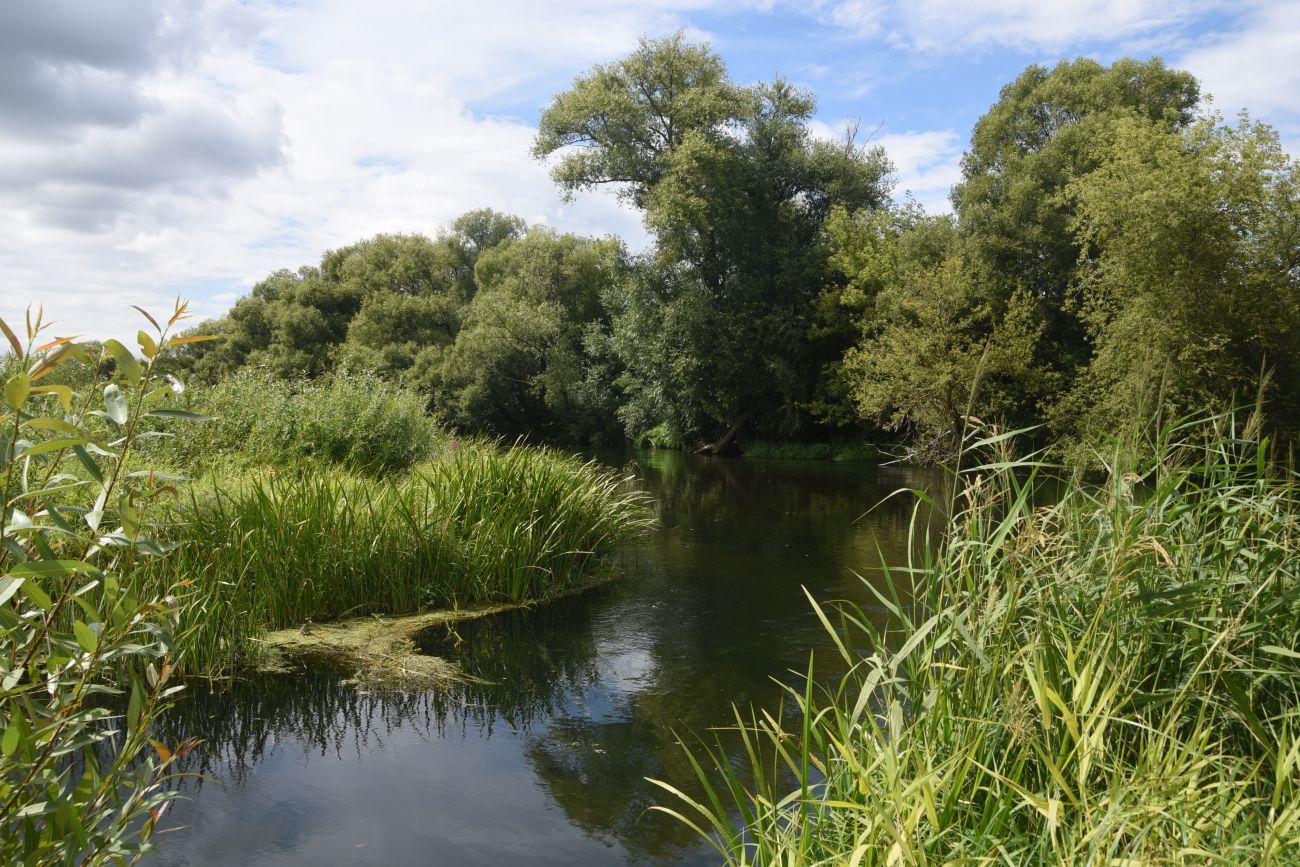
274 548
1109 679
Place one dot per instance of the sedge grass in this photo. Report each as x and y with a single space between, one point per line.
1110 678
279 547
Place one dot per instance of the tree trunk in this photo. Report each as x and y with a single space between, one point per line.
716 448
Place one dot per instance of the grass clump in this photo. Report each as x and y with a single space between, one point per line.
275 549
1083 675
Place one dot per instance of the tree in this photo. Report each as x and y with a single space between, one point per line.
518 364
1048 128
932 346
1190 274
734 189
372 305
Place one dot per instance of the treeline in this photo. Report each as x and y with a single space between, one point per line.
1115 252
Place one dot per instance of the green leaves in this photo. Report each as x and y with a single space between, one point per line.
69 627
126 362
17 388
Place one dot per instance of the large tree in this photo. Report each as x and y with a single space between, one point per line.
735 190
1190 280
518 364
1047 128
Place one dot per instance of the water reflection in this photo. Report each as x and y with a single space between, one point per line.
541 758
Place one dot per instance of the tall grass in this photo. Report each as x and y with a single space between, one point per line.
483 523
1110 678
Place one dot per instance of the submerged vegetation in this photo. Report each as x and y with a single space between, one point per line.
1101 674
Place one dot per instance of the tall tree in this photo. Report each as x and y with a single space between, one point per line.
1048 128
1190 279
735 190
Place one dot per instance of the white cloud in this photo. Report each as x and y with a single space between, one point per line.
942 25
239 140
928 164
1256 67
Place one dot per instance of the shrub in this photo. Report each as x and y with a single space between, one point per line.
86 660
357 420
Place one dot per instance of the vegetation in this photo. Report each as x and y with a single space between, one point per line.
1103 674
329 498
87 657
1111 245
295 544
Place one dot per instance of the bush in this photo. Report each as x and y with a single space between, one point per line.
86 660
357 420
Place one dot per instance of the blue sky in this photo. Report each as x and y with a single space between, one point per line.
155 147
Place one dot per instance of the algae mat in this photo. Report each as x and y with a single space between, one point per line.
381 650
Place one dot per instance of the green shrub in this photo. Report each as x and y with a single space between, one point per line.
357 420
86 659
1103 675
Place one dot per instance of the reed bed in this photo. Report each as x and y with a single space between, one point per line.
1099 675
280 547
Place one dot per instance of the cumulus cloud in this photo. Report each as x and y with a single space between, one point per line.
927 163
150 148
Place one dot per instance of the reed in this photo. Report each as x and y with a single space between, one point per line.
278 547
1084 674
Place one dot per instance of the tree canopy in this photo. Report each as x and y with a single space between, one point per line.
1113 254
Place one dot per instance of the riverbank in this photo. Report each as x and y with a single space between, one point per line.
840 453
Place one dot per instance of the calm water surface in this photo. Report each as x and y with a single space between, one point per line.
544 762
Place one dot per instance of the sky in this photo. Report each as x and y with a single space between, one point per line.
151 149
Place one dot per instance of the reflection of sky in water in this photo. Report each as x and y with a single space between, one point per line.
543 761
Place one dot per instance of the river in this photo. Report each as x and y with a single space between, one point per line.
543 760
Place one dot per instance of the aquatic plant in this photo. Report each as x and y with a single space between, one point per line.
1086 674
283 546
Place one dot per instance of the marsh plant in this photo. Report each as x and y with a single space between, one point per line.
280 546
1085 674
87 661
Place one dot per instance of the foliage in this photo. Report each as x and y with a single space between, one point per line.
289 544
1190 281
1048 128
86 658
518 364
373 305
358 420
1080 675
734 189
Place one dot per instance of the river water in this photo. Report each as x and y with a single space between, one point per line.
544 761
